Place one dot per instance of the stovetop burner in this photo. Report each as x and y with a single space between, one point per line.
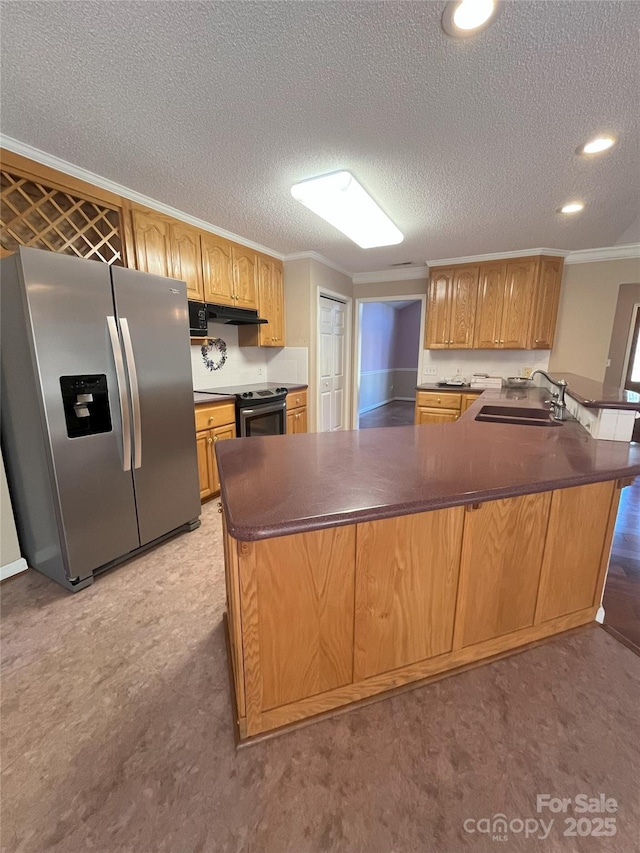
259 392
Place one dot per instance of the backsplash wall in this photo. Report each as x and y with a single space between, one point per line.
246 365
447 363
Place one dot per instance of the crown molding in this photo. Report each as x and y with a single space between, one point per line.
402 274
117 189
497 256
315 256
607 253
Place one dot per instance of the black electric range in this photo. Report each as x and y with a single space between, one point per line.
260 408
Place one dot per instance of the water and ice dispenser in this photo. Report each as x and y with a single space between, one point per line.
86 404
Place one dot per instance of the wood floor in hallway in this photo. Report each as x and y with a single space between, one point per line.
622 590
395 413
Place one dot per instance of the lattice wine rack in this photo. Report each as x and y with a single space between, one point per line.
33 214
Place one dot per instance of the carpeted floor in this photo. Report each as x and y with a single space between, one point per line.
117 735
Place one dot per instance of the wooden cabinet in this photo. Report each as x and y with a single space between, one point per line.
296 412
217 269
405 598
270 274
215 422
441 407
151 240
245 282
451 308
577 548
505 304
543 328
500 567
321 619
502 304
186 259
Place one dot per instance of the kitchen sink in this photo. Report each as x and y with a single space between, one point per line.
516 415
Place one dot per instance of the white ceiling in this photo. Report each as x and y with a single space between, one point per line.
217 108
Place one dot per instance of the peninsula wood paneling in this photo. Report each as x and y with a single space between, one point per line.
406 582
500 567
578 543
305 589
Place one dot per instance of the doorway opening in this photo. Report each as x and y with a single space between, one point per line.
389 340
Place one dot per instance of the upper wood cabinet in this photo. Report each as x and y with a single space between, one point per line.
451 308
270 273
151 240
186 262
245 276
513 306
217 269
547 297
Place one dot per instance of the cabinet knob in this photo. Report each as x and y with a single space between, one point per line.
212 419
439 400
496 342
501 342
537 341
215 437
210 441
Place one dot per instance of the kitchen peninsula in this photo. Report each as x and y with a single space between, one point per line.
358 562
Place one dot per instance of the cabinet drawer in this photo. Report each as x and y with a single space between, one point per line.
218 414
436 400
296 399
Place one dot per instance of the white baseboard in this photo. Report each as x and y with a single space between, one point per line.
12 569
384 403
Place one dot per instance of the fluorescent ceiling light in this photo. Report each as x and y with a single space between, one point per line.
342 202
462 18
573 207
597 145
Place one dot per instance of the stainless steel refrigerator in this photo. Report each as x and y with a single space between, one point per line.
98 430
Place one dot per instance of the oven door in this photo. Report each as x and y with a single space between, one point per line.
262 419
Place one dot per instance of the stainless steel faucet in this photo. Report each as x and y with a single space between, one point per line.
557 404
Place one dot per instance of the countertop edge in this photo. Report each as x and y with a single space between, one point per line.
256 534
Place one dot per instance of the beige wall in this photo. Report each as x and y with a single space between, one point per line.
390 288
585 317
9 548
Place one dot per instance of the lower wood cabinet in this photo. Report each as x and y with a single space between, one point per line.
442 407
321 619
296 412
214 423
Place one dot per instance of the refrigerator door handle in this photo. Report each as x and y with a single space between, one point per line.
122 393
135 393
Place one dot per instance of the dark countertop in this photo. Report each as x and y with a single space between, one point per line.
199 397
597 395
280 485
465 389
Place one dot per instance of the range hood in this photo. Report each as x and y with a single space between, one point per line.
233 316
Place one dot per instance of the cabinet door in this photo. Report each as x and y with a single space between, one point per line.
468 400
546 307
276 318
502 549
291 421
518 304
301 420
463 307
185 258
244 276
151 238
219 434
406 583
217 269
490 304
436 416
438 309
266 333
577 549
205 472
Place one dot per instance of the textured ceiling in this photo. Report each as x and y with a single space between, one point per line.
217 108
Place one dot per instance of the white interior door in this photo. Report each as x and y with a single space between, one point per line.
332 364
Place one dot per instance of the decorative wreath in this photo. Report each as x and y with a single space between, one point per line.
214 353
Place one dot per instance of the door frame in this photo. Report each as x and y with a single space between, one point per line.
635 311
347 301
416 297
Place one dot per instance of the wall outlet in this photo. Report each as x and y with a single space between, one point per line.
527 371
430 371
260 371
608 362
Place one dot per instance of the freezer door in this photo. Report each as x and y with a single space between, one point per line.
69 301
154 326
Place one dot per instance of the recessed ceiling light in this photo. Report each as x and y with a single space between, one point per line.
598 145
463 18
573 207
344 203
